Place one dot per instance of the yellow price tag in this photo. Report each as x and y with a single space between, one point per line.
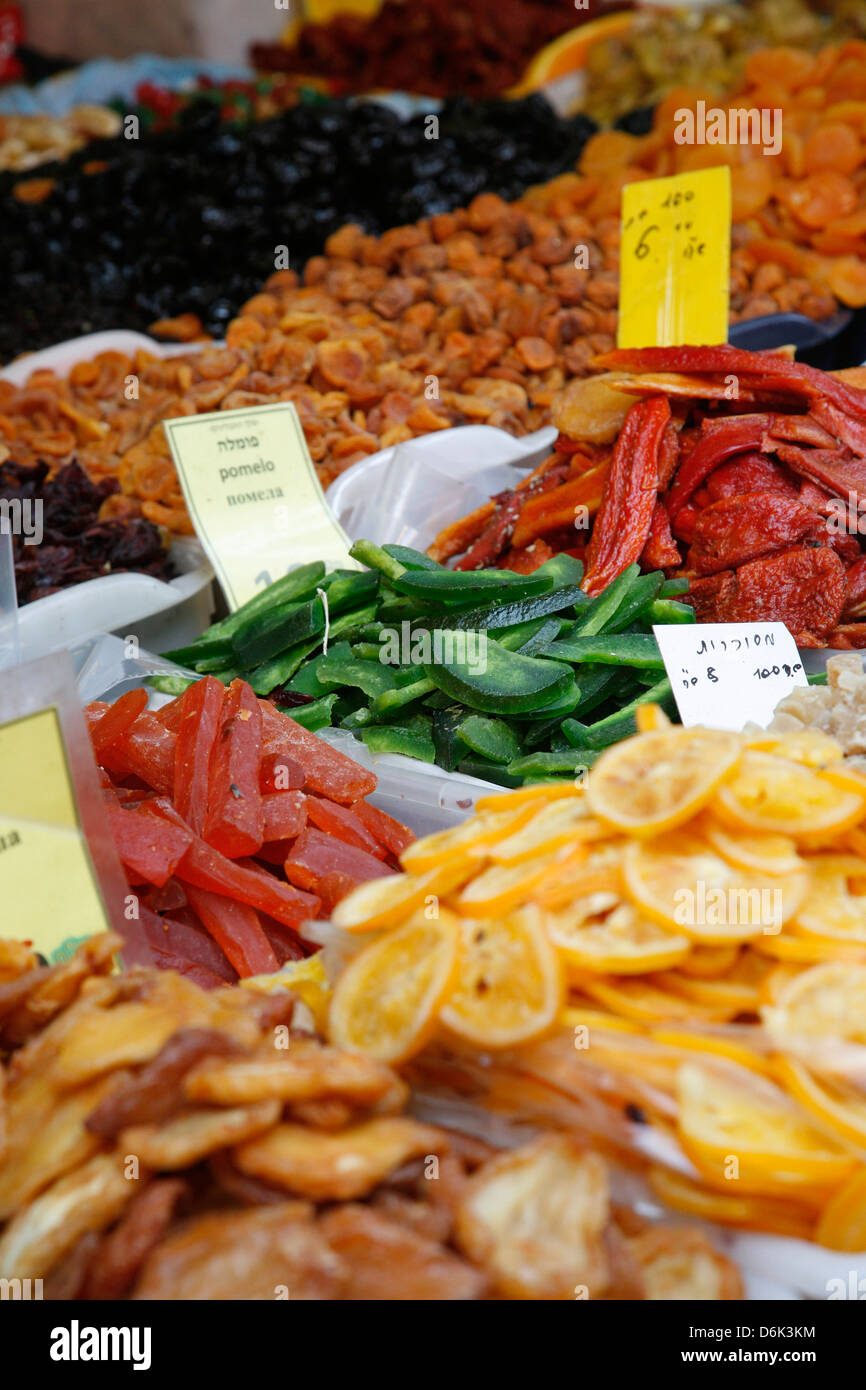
253 495
48 884
675 260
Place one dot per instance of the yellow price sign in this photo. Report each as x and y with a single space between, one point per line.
253 495
675 258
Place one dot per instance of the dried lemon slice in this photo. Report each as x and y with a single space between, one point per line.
503 886
658 780
840 1110
650 718
603 934
681 882
806 950
769 854
597 870
476 833
384 902
843 1221
812 747
782 1218
539 794
831 910
746 1135
709 962
387 999
509 985
553 827
776 796
644 1002
820 1016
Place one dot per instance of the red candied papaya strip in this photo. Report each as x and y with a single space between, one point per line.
236 929
327 771
145 751
147 845
234 823
314 855
117 720
278 773
342 822
200 714
390 832
285 815
630 493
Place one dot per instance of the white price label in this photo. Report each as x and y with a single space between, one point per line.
727 675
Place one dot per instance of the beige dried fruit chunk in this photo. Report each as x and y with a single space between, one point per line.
15 959
535 1220
250 1255
838 709
186 1139
303 1072
681 1264
386 1261
53 1142
88 1199
591 409
337 1167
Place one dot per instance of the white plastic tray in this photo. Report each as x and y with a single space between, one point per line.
407 493
158 613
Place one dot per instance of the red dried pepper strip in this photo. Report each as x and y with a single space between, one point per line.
117 719
623 521
342 822
234 823
761 370
721 439
235 927
150 847
661 550
669 455
829 467
200 714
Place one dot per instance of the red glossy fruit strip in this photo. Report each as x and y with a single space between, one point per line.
170 715
326 771
285 815
623 521
722 439
236 929
315 854
342 822
149 846
180 943
661 550
390 832
279 773
200 715
146 751
234 823
205 867
118 719
334 887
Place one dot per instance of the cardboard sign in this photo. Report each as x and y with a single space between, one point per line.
675 260
253 495
726 675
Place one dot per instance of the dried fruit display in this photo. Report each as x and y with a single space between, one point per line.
235 824
678 942
191 220
68 540
270 1170
432 47
27 141
704 47
798 185
740 471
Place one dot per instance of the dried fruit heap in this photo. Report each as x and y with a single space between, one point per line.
679 942
276 1169
742 471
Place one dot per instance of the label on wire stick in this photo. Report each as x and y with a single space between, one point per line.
253 496
727 675
675 260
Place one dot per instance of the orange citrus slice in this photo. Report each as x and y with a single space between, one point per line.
387 999
509 983
820 1016
552 827
746 1135
839 1110
603 934
384 902
713 1045
567 54
732 995
811 747
649 718
681 882
467 838
831 909
659 780
806 950
645 1003
578 1016
540 793
842 1225
594 870
779 797
504 886
708 962
782 1218
768 854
